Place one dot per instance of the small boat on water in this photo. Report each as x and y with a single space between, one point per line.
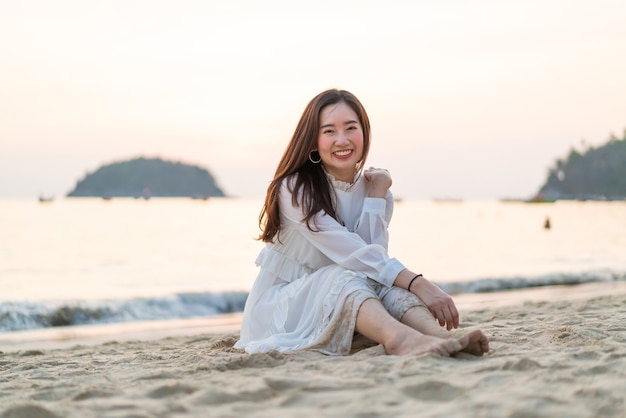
539 198
200 197
45 199
448 200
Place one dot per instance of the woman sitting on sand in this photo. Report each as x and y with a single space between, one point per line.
325 272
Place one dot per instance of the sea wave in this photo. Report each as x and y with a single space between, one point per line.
17 316
487 285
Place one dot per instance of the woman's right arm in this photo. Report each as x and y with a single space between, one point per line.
440 304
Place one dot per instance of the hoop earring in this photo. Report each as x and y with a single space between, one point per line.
319 160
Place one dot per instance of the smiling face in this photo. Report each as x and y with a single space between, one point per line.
340 141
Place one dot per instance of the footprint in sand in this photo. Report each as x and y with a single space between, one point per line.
433 391
94 393
523 364
171 390
28 411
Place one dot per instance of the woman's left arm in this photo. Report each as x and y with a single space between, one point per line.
440 304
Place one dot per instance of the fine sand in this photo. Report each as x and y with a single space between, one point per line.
558 359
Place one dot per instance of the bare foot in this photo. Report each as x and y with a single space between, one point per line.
475 343
415 343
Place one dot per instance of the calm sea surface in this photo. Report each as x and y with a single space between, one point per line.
86 261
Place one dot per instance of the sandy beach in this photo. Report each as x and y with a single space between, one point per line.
563 358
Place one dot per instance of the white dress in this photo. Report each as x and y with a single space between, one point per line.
312 283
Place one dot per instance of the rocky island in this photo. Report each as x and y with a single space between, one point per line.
593 174
148 177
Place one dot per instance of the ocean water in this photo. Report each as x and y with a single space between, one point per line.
90 261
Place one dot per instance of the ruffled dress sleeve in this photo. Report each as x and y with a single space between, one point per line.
373 223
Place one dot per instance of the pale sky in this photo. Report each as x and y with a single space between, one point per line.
467 99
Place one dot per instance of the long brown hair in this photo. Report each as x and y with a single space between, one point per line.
311 178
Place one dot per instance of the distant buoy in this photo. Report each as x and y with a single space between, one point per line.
547 225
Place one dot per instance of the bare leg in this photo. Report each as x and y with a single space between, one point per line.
420 319
374 322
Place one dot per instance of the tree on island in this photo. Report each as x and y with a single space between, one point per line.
593 174
148 177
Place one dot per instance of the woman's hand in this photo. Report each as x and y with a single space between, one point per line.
438 302
378 180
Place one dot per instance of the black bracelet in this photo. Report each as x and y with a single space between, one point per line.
412 280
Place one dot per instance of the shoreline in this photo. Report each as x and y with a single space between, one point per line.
564 357
66 337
